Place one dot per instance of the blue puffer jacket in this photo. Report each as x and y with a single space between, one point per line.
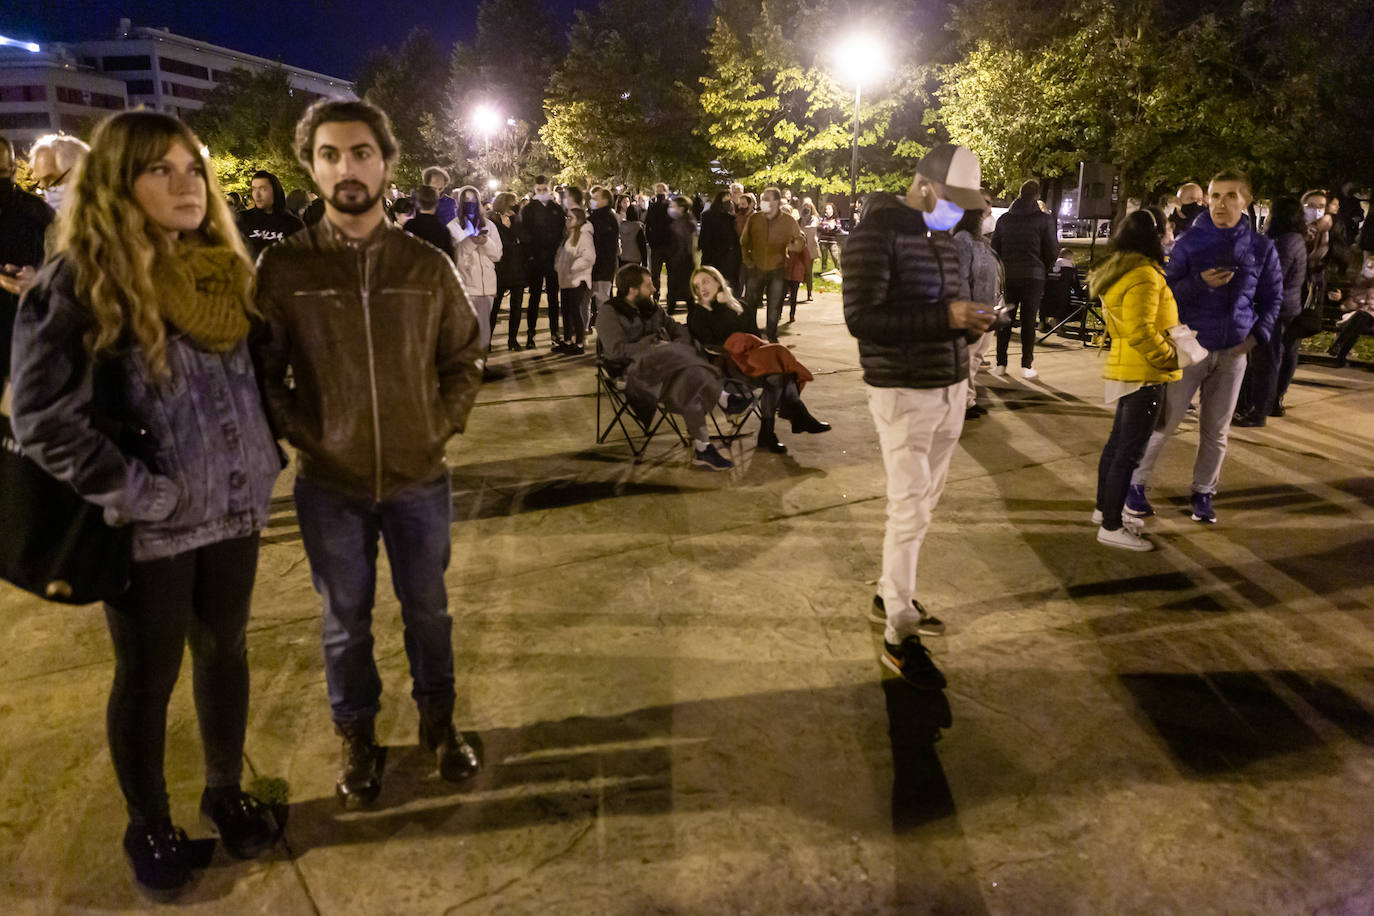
188 462
1249 304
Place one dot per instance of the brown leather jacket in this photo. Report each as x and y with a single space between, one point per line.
370 358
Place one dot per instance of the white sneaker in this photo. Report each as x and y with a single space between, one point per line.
1130 521
998 371
1029 373
1124 539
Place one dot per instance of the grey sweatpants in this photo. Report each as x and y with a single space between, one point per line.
1218 377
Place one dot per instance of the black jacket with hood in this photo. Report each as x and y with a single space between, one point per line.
260 228
899 279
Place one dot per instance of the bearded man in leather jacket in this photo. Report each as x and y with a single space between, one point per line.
381 346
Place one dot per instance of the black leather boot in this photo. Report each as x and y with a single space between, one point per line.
457 760
360 773
803 422
768 438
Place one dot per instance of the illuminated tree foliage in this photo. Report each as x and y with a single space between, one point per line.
621 107
772 109
249 123
1167 92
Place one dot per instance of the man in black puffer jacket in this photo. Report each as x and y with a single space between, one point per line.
905 301
1027 243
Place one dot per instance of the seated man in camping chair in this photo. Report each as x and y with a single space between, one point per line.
660 365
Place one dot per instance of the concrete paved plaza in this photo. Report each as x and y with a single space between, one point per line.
682 711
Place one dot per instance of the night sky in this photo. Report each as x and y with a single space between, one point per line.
330 37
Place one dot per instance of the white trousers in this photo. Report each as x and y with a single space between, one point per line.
918 429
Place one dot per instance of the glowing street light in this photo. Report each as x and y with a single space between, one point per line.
487 120
493 184
861 60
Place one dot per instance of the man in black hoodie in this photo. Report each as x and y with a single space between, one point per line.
1026 241
270 220
908 304
657 224
541 233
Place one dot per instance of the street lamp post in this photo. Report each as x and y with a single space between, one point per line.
860 59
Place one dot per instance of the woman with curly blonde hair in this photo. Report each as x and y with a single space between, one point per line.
133 383
717 322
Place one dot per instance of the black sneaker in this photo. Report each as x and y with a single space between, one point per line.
711 459
160 855
930 624
913 662
246 826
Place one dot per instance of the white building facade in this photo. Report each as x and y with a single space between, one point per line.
67 87
172 73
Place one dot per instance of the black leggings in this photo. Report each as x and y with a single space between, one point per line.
1024 296
201 597
1135 420
517 302
572 298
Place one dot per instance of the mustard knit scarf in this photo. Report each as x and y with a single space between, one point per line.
200 289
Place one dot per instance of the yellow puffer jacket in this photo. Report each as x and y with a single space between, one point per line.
1139 308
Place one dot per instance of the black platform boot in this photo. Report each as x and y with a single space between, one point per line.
360 773
457 760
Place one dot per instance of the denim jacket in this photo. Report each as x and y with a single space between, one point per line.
188 462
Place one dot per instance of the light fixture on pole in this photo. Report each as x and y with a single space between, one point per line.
487 120
859 59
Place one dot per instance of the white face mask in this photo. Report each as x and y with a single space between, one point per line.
766 206
543 198
1313 213
1368 271
989 224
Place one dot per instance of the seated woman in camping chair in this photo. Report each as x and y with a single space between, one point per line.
717 323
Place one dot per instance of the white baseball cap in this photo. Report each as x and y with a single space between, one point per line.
959 171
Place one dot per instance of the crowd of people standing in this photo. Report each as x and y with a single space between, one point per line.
164 344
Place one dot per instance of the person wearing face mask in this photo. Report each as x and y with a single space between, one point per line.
1190 204
1270 368
24 220
53 160
476 249
656 221
678 252
1026 242
542 222
605 226
1359 313
1318 245
1228 284
576 262
909 306
767 238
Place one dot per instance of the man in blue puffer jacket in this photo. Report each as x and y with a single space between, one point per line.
1229 286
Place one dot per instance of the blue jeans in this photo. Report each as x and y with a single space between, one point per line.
771 283
340 535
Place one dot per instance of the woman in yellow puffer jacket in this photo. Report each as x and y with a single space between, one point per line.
1139 309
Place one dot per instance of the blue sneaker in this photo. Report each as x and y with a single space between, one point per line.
1202 509
1136 503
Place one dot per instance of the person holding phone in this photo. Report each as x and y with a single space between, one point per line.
1228 284
476 249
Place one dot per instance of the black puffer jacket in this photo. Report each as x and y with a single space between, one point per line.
899 279
1025 241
